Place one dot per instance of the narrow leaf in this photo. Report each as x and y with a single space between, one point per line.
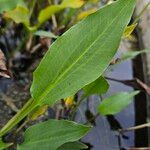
115 103
133 54
45 34
99 86
51 134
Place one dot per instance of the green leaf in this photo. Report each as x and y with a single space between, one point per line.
46 13
6 5
116 103
4 145
45 34
99 86
73 146
19 15
81 54
51 134
133 54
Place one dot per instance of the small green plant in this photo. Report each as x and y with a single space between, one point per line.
75 61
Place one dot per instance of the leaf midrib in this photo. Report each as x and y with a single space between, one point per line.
49 88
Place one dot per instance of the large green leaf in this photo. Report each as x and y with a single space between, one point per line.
4 145
51 134
73 146
81 54
6 5
99 86
115 103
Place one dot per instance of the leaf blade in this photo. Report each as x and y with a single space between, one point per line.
45 34
132 54
52 134
85 60
73 146
99 86
116 103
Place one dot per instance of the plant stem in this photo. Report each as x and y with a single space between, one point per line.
53 16
135 128
76 107
32 7
26 121
141 13
27 108
139 148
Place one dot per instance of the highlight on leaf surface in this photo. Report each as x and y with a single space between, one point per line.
52 134
116 103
